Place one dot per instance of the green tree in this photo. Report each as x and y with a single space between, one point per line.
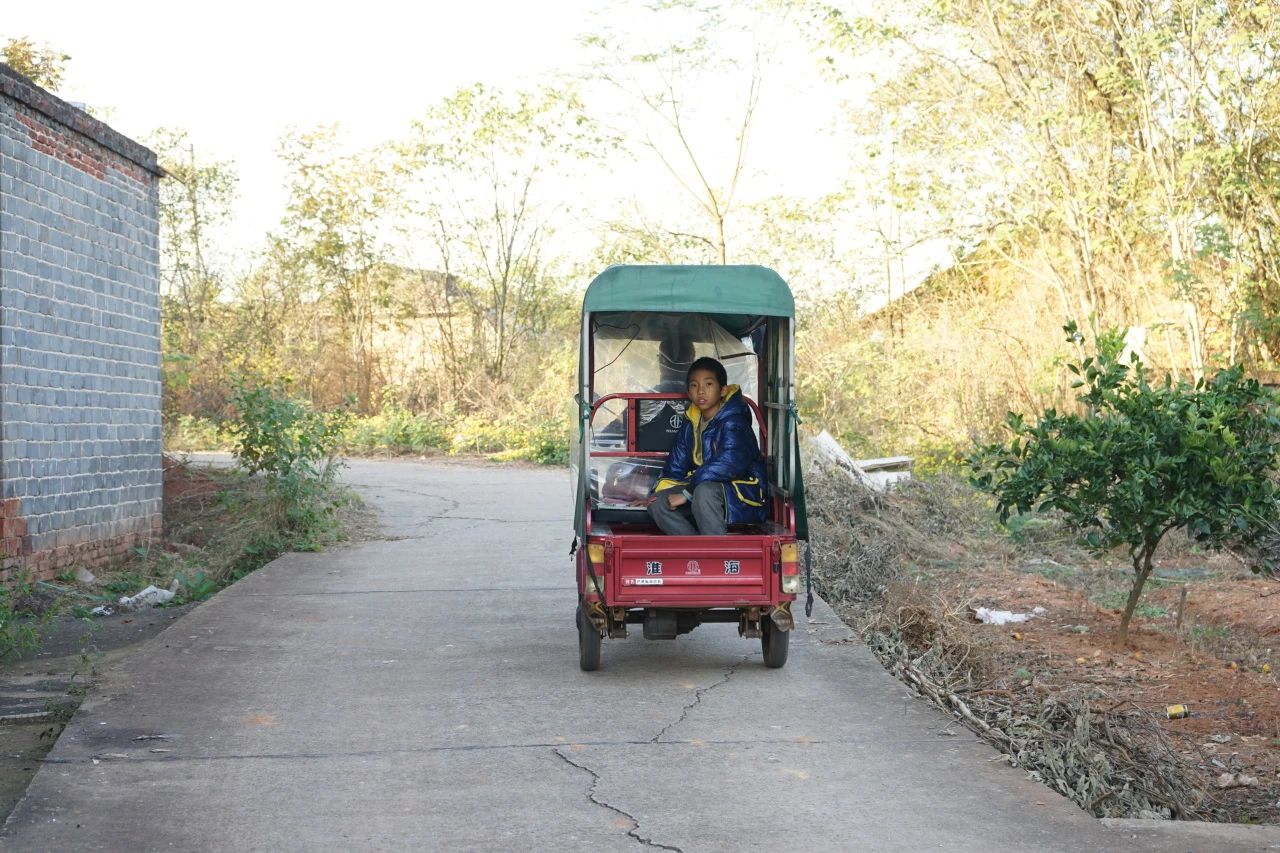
195 201
1142 460
332 236
44 66
481 171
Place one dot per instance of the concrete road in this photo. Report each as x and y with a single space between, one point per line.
422 692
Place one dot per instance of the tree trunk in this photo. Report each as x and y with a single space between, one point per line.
1142 568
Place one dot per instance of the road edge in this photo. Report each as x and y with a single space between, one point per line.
1168 834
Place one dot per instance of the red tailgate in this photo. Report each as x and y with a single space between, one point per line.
691 571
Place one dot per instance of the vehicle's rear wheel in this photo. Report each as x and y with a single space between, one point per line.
774 642
588 643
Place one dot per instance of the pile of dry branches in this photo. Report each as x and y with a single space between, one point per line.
864 540
1111 758
855 550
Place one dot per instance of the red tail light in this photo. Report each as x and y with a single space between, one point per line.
791 568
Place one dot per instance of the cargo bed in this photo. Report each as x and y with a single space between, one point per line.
654 570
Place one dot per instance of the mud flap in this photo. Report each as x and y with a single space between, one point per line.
781 616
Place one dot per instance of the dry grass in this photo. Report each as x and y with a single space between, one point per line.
864 541
220 524
874 557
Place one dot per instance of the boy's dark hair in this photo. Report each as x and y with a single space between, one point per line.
708 363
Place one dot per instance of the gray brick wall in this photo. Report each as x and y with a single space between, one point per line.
80 463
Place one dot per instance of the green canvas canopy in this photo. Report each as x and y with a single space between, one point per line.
740 290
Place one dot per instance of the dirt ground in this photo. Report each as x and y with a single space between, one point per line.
39 691
1205 635
1218 663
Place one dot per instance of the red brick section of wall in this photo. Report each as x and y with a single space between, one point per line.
45 564
83 154
13 533
94 138
16 558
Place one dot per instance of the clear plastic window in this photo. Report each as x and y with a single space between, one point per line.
623 482
637 353
609 426
644 352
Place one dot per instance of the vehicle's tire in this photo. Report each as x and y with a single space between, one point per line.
774 642
589 642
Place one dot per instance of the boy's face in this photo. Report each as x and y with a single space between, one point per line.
705 391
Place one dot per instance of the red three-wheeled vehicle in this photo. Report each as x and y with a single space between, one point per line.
642 328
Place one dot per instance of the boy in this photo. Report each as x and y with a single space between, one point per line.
714 475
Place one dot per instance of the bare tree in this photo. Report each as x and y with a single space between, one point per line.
1112 126
658 86
333 228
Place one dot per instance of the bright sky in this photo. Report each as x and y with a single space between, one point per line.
238 75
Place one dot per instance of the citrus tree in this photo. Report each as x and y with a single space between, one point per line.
1140 460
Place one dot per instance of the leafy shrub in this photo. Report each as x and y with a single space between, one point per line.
1032 528
937 457
477 434
197 586
545 441
281 435
1142 460
126 583
507 437
294 447
396 430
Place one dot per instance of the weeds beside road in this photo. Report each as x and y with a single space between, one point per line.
395 431
219 525
1059 694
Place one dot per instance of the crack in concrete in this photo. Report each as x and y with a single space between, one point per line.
451 505
485 518
634 832
697 699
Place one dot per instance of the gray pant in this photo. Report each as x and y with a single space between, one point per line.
707 511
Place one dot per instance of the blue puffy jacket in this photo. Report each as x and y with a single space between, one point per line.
729 454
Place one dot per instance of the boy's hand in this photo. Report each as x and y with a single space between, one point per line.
675 499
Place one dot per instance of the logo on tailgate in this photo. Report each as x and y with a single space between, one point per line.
653 567
692 568
732 567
